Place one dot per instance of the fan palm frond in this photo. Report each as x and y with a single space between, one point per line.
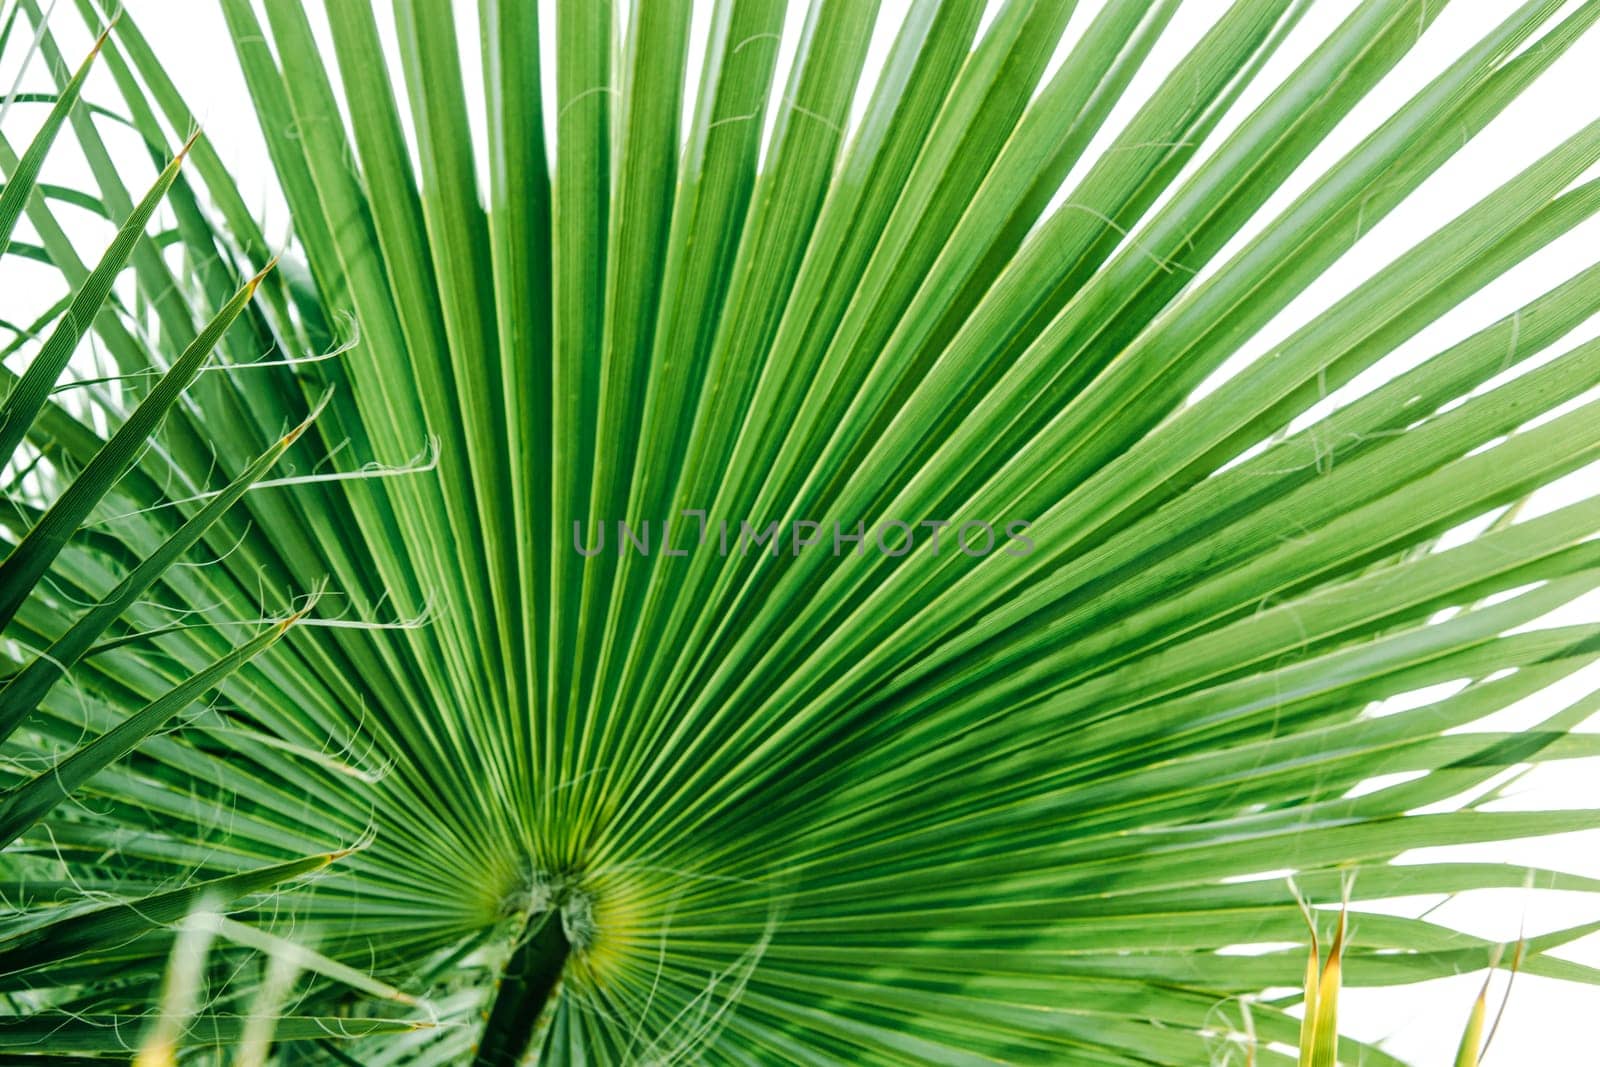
747 551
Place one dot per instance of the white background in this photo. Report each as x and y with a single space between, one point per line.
1546 1022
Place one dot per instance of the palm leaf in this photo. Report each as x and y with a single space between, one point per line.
1007 628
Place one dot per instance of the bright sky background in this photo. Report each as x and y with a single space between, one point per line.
1546 1022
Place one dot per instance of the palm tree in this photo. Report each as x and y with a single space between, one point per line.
343 722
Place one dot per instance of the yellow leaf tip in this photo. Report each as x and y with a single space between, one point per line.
260 275
290 620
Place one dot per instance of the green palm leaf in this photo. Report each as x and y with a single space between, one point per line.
1006 630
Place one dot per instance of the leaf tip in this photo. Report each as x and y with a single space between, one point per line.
289 620
260 275
183 153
